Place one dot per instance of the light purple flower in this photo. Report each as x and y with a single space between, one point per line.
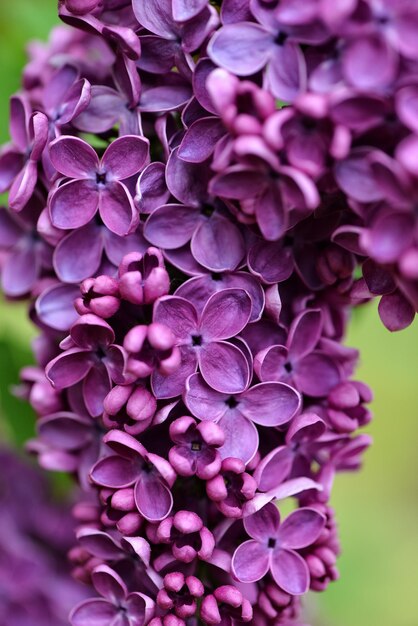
312 371
96 184
273 547
117 606
201 339
265 404
150 475
18 161
92 357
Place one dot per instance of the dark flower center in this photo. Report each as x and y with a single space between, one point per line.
101 178
207 210
288 367
271 543
215 276
231 402
280 39
196 446
196 340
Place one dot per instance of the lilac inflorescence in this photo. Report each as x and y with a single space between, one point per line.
199 194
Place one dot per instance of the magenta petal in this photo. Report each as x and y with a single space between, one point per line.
178 314
218 244
23 186
126 156
290 572
171 226
117 209
271 214
264 524
20 112
155 16
73 157
74 204
109 584
153 498
96 386
396 312
361 54
188 182
55 306
250 562
241 437
173 385
238 183
20 271
301 528
226 313
79 254
203 401
224 367
242 48
304 333
152 191
115 472
286 72
270 404
68 368
316 374
184 10
274 468
355 177
65 431
11 163
98 612
200 139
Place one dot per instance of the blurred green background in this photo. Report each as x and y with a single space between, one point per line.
377 509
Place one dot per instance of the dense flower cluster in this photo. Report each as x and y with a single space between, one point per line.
199 193
36 588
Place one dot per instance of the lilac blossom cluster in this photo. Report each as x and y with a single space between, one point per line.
36 588
199 194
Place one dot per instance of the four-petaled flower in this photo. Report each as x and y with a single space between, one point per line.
273 547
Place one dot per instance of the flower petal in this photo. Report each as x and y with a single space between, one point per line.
226 313
173 385
241 437
115 471
264 524
171 226
301 528
74 204
224 367
73 157
68 368
290 572
109 584
270 404
117 209
79 254
242 48
217 244
250 562
126 156
153 498
95 612
203 401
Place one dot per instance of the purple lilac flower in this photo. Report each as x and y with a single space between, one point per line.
92 357
201 339
273 547
205 192
117 605
96 185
